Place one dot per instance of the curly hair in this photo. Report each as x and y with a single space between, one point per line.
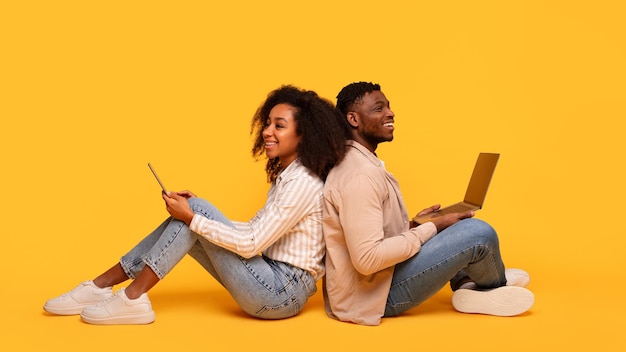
318 123
350 95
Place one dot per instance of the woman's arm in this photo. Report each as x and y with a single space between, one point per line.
288 202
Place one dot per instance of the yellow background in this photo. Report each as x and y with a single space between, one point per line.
92 91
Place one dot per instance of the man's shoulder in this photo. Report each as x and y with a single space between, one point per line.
354 165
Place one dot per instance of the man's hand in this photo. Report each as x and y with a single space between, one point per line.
428 210
176 204
444 221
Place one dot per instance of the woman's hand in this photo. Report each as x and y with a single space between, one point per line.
186 194
176 204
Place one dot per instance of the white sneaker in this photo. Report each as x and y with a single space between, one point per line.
514 277
503 301
73 302
119 309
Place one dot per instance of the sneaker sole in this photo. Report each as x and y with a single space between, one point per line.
503 301
63 311
74 310
134 319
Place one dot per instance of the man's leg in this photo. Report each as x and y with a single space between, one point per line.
470 245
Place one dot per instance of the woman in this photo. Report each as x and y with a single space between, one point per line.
302 139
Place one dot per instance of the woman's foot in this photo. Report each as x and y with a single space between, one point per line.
73 302
119 309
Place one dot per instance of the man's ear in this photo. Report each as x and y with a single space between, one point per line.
353 119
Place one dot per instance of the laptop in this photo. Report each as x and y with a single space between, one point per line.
476 189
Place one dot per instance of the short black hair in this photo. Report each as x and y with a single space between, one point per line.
352 93
347 97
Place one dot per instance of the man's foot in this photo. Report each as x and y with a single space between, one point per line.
73 302
119 309
502 301
514 277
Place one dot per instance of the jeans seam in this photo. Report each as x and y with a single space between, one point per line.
153 264
395 305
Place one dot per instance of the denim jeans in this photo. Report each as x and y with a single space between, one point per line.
262 287
468 248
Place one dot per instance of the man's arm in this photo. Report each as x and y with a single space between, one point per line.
362 220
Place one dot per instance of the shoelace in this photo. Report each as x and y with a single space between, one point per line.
73 290
101 303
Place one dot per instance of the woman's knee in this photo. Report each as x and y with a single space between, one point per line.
202 206
208 210
196 203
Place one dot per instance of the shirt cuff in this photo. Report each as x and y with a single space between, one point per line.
195 223
425 231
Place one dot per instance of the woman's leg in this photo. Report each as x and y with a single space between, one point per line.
115 275
157 254
97 290
470 245
171 245
262 287
147 263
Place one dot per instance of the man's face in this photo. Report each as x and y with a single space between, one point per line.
373 120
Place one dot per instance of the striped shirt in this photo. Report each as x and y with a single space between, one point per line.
288 228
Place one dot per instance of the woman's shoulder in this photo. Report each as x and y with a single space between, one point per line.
297 171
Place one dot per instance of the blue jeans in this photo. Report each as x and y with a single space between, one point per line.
468 248
263 288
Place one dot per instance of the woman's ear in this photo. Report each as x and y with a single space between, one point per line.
353 119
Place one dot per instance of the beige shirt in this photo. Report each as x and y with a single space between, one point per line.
366 229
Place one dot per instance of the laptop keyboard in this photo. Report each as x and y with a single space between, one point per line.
455 208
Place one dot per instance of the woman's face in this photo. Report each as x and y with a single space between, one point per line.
279 134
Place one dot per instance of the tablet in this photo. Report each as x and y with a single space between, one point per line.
157 178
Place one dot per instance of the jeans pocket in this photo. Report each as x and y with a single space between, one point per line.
286 309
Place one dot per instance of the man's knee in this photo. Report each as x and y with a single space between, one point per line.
482 230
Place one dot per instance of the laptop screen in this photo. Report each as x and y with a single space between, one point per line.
481 177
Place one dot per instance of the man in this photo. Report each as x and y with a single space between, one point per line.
380 264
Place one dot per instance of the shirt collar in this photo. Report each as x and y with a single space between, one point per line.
292 167
366 152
